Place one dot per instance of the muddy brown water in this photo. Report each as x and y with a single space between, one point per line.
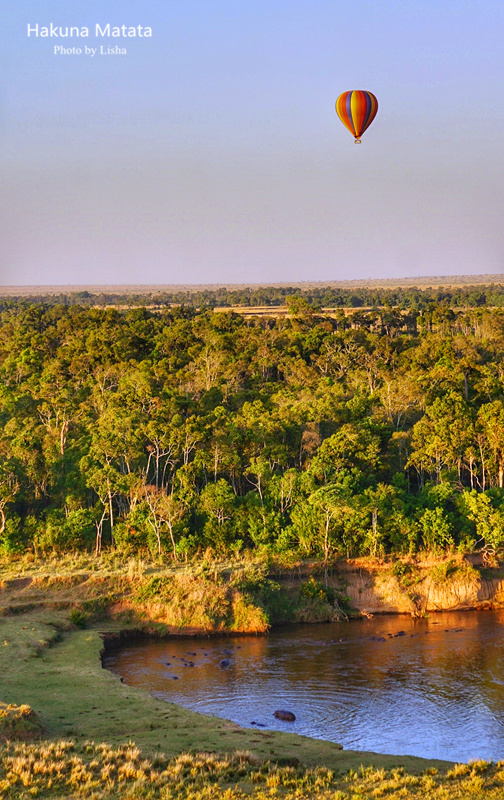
431 687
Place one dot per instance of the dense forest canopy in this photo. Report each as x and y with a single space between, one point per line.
185 429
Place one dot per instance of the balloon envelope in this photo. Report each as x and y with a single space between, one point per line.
357 109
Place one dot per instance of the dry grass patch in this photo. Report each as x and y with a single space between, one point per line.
200 599
102 772
19 722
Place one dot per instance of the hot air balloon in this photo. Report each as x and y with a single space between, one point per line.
357 110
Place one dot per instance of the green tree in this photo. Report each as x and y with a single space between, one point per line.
488 520
165 511
491 423
442 437
436 530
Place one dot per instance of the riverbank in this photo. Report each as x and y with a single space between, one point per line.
421 585
88 717
90 720
245 595
53 620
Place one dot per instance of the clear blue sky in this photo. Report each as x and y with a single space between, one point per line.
212 152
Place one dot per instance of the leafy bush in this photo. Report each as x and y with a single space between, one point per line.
450 570
78 618
405 572
274 600
60 532
488 520
320 603
436 530
12 539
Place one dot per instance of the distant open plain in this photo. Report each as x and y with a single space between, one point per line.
447 281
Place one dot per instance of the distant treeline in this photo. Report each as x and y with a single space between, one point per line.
181 430
491 295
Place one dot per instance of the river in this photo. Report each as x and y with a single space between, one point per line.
429 687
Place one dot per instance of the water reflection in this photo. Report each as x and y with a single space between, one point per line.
432 688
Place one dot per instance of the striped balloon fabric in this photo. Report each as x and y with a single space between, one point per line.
357 110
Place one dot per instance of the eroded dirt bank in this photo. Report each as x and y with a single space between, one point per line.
417 588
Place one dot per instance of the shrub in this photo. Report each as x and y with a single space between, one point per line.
317 591
11 539
246 616
319 603
450 570
19 722
405 572
62 532
78 618
272 598
199 600
436 529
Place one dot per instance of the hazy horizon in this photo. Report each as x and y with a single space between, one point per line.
420 282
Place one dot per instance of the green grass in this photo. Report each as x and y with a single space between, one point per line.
53 665
57 671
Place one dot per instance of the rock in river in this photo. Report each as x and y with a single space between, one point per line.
287 716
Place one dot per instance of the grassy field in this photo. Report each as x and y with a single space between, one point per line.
78 739
208 597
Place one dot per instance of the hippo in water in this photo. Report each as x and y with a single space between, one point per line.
286 716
